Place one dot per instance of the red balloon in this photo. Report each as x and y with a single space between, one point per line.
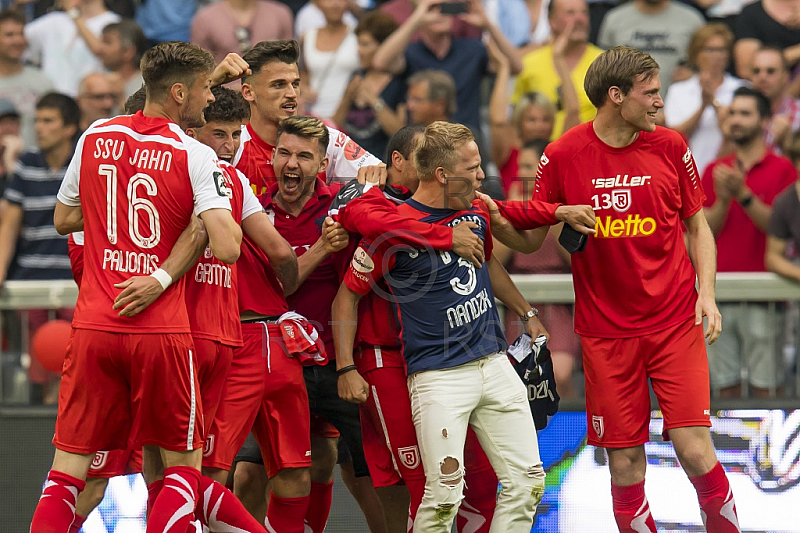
49 344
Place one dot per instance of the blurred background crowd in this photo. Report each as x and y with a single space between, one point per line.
511 70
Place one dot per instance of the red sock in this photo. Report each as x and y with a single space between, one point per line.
286 515
55 511
631 510
77 523
319 506
480 499
717 506
173 510
153 490
219 510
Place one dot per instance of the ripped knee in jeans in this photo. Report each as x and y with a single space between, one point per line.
536 474
451 476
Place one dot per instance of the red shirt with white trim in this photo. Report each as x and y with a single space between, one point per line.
313 299
211 285
254 159
138 179
740 244
635 276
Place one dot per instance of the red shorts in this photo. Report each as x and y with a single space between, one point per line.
113 463
320 427
617 396
265 391
121 388
213 363
387 429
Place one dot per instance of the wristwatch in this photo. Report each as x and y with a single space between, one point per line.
533 313
74 13
379 105
746 201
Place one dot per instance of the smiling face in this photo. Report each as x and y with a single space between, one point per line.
274 90
640 106
462 182
296 163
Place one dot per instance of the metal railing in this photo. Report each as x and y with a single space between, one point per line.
537 288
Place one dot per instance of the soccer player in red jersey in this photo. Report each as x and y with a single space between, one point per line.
636 307
272 89
133 186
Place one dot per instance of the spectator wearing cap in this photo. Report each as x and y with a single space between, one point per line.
11 143
123 45
19 84
235 25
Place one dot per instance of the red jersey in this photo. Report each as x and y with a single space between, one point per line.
75 251
767 179
212 280
313 299
254 159
634 277
137 179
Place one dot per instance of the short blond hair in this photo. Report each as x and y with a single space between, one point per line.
307 128
437 146
528 100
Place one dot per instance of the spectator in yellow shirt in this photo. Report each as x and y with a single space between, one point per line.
540 72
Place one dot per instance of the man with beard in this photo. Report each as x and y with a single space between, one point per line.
740 189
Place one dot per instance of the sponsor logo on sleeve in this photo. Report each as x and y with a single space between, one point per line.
362 262
221 185
353 152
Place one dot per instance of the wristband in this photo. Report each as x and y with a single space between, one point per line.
746 201
345 369
163 278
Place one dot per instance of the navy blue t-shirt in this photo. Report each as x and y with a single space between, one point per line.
445 305
467 62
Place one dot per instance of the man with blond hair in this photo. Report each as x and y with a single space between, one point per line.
636 307
453 345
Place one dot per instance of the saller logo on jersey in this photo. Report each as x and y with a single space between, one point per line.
362 262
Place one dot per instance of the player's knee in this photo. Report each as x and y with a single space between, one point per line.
249 477
94 492
451 488
293 476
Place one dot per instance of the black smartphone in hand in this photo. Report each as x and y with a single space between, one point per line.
454 8
572 240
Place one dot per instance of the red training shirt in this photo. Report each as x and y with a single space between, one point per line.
634 277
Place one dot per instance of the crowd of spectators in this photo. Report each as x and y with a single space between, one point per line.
511 70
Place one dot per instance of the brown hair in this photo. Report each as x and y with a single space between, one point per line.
703 34
377 24
307 128
437 147
265 52
173 62
620 66
792 148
